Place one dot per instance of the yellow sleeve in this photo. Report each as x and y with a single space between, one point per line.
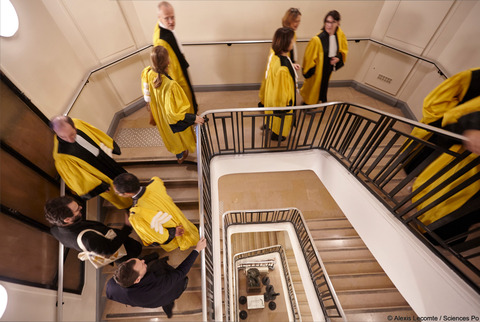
176 104
452 116
311 57
445 96
342 44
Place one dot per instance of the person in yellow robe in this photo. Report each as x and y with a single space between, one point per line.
280 83
83 158
154 215
291 19
169 106
454 106
164 35
326 52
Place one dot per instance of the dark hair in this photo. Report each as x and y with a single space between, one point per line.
57 210
60 120
126 275
282 40
289 16
332 13
159 58
126 183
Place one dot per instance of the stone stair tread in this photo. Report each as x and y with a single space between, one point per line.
165 171
186 306
340 243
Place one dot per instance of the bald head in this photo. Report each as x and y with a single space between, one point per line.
166 15
64 127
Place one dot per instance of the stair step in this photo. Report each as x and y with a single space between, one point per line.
379 314
165 171
324 213
183 193
374 298
329 254
323 223
333 232
327 243
352 266
188 306
348 282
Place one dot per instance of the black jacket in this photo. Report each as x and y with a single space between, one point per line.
154 290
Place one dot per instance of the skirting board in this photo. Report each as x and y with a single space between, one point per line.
362 88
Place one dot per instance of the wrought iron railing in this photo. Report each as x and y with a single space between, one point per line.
325 294
374 147
286 272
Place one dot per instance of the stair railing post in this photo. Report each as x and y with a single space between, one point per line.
61 252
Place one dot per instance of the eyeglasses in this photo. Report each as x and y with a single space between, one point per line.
294 10
331 22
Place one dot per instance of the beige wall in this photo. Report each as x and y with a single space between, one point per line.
443 31
60 41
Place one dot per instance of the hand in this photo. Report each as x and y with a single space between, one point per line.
199 120
202 243
473 141
334 60
296 66
179 231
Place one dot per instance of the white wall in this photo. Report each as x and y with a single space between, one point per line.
429 286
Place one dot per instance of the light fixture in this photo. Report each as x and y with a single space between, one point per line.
3 300
8 19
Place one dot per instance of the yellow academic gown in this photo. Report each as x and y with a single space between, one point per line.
261 93
443 102
175 68
313 58
156 199
279 92
79 175
168 104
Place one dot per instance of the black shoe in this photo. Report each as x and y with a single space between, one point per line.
168 309
275 137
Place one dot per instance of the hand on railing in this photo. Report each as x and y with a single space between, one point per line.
202 243
473 141
199 120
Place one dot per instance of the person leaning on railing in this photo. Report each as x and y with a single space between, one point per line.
453 106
